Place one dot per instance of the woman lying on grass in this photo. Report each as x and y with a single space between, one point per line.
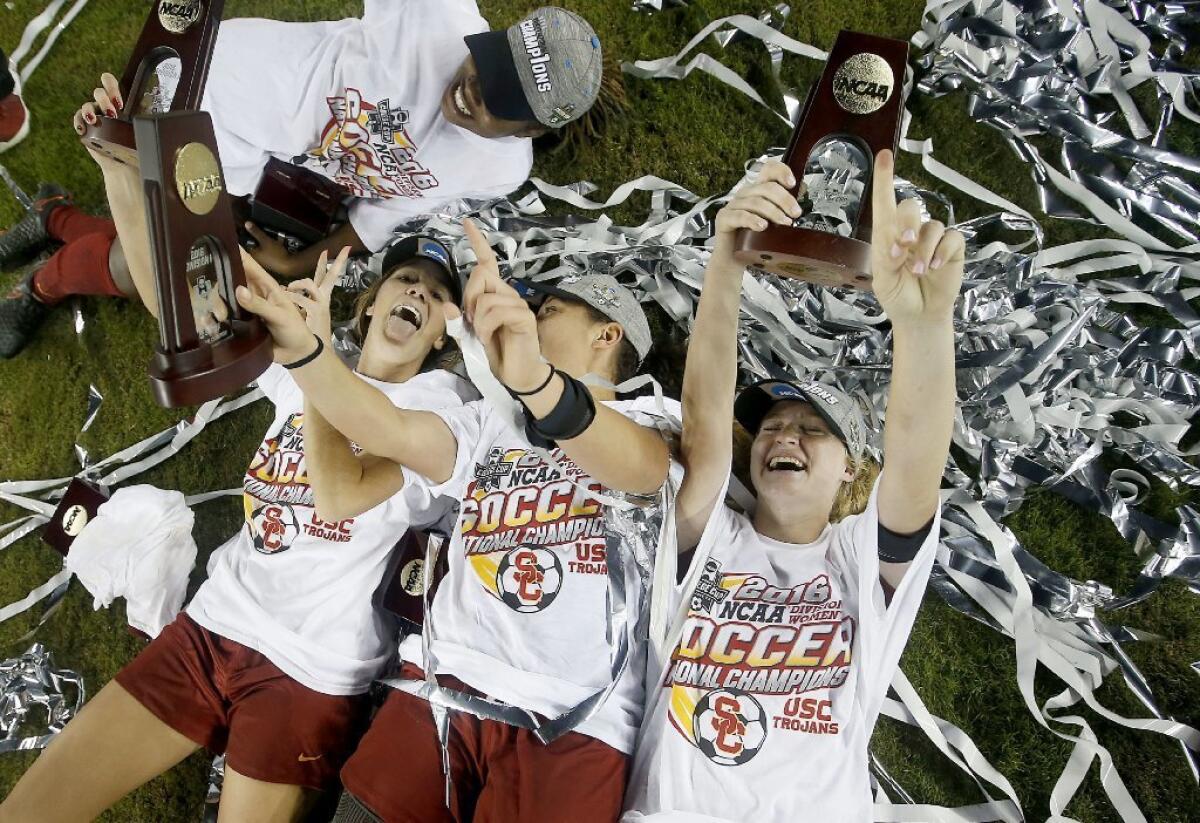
789 626
271 661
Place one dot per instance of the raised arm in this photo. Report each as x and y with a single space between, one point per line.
123 187
344 484
710 375
417 440
618 452
917 272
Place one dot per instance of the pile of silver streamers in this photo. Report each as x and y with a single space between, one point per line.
1051 378
30 681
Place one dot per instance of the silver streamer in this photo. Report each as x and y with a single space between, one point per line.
32 689
1046 68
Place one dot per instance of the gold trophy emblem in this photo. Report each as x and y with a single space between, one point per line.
863 83
198 178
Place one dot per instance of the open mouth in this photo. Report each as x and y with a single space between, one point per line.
785 464
409 314
460 101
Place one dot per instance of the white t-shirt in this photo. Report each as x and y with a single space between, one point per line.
766 706
301 590
358 101
521 615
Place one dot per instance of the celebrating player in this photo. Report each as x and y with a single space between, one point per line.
789 626
272 658
409 109
522 615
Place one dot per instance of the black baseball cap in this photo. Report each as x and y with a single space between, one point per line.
420 246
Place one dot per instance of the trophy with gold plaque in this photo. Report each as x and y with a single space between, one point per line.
851 115
166 71
209 345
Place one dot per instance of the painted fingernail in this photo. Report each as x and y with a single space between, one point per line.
908 236
918 267
91 118
119 103
79 128
896 251
936 263
111 112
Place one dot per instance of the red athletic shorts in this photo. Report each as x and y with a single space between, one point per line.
233 700
501 773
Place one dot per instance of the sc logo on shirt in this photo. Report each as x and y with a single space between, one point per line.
528 578
730 727
274 527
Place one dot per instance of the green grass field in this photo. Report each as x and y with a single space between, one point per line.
697 133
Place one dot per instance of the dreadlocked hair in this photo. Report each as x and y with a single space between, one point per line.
611 104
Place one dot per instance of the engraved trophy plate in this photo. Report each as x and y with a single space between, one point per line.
166 72
852 113
209 346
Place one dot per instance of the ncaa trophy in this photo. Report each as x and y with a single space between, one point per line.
851 115
165 72
209 345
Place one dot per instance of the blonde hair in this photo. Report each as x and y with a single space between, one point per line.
853 495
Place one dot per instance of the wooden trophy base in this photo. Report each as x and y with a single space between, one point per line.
197 376
807 254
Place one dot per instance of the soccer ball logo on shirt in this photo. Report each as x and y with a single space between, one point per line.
529 578
730 727
274 528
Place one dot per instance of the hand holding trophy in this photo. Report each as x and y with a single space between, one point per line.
851 115
209 345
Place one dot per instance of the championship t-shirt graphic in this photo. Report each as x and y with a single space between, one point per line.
365 147
528 527
277 498
757 660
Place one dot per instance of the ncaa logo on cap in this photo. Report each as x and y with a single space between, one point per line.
782 390
431 249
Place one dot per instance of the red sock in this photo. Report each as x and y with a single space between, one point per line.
80 267
70 223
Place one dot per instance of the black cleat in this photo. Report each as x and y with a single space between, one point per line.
21 314
28 235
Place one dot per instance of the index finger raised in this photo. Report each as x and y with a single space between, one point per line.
883 191
479 243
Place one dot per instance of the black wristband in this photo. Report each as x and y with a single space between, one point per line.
901 548
545 383
571 415
304 361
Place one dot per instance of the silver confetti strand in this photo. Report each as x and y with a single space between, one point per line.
31 688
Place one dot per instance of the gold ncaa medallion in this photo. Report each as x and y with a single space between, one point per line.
74 520
863 83
178 16
412 578
197 178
